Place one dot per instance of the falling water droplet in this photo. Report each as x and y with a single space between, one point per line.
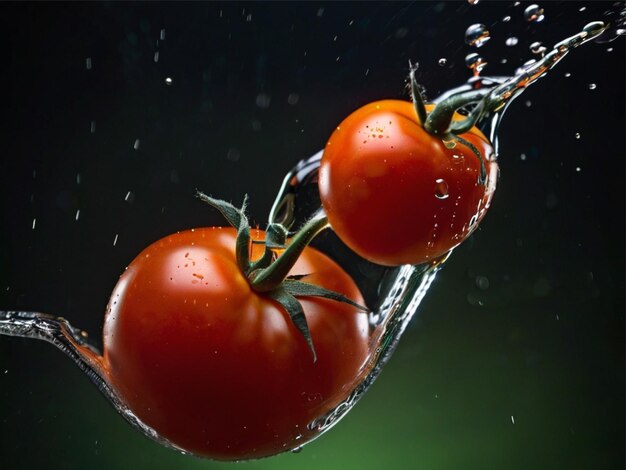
537 48
115 240
475 62
577 135
506 19
534 13
92 127
443 61
482 282
477 35
441 189
592 86
162 34
156 56
136 144
512 41
88 63
168 81
567 75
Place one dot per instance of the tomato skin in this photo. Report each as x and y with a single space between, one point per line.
217 369
396 194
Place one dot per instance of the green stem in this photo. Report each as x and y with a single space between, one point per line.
270 278
439 120
418 99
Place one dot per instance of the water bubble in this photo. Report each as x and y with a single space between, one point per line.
534 13
578 169
512 41
443 61
293 98
477 35
592 86
522 157
441 189
475 62
537 48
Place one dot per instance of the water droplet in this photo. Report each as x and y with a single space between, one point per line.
162 35
233 155
472 2
482 282
537 48
512 419
88 63
77 214
115 240
592 86
512 41
441 189
578 169
582 8
136 144
320 12
506 19
477 35
443 61
577 135
168 81
534 13
528 103
263 100
92 127
567 75
34 223
475 62
156 56
77 178
522 157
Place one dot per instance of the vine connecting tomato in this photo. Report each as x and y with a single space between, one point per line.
396 193
217 368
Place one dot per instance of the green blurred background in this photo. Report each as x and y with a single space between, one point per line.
516 356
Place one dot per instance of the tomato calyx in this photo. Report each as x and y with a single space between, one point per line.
269 275
439 122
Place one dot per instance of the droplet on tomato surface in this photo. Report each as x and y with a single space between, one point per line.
477 35
441 189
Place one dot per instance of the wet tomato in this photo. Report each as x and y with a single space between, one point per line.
214 367
396 194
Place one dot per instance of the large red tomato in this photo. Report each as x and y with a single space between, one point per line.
396 194
218 369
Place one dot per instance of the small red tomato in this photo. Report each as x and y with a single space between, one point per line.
218 369
396 194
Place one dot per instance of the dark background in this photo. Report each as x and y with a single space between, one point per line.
527 372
